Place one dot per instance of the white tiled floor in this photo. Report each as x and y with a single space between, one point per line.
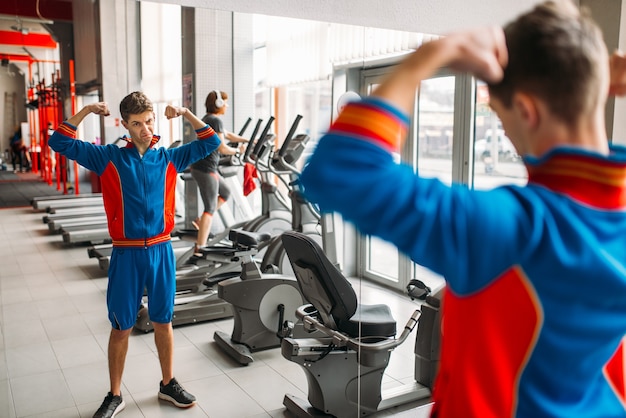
54 333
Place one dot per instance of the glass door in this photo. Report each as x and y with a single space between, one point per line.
429 149
377 260
435 115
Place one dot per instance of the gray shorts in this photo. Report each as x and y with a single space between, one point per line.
212 187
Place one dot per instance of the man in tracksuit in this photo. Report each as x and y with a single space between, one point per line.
138 189
534 311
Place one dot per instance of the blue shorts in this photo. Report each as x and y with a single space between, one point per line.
131 270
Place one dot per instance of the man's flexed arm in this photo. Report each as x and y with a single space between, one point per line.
90 156
176 111
100 108
195 150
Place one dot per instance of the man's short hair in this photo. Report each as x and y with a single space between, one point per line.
135 103
557 53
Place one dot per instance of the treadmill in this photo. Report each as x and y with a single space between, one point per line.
53 205
42 202
78 220
94 234
73 213
58 225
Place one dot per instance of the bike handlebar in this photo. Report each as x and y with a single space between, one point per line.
292 131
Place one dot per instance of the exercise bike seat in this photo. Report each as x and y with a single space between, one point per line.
331 294
240 240
248 239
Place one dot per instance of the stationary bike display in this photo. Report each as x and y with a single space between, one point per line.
345 368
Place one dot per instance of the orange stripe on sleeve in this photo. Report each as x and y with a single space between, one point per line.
205 132
372 124
67 130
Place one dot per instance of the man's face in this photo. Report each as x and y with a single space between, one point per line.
140 127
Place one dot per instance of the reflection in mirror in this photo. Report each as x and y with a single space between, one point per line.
307 67
496 162
435 126
302 68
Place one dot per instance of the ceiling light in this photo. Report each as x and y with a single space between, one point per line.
21 29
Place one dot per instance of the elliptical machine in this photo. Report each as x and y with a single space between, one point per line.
305 217
275 216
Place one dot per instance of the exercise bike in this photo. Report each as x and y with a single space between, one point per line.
262 304
345 368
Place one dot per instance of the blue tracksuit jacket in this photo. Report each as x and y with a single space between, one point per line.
535 304
138 192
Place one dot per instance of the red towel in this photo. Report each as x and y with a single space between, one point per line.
249 174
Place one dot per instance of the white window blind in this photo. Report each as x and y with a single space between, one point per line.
161 51
297 51
301 50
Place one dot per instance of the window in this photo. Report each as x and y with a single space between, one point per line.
496 161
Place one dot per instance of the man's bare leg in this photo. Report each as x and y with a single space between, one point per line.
169 390
164 340
118 347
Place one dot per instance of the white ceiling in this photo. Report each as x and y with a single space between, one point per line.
423 16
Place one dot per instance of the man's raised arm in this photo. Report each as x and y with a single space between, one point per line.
100 108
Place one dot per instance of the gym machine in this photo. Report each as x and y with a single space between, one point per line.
345 368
